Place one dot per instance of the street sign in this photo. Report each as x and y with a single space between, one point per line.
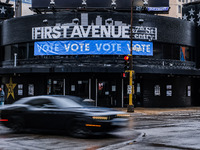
129 89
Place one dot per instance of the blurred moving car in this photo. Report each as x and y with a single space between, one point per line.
67 113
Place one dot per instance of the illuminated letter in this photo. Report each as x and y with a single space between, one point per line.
64 30
119 32
95 31
85 33
125 31
76 31
105 31
57 33
48 31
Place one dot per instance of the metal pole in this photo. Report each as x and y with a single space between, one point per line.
15 59
131 72
96 92
122 93
90 88
64 86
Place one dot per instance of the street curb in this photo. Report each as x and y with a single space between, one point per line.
154 111
123 144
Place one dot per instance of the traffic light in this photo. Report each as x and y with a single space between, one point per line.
125 74
126 63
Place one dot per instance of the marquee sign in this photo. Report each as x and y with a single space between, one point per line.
96 31
94 27
92 47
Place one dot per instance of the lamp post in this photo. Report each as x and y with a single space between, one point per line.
131 71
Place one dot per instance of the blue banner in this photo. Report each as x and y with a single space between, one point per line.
92 47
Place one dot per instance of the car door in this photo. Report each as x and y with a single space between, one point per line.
43 114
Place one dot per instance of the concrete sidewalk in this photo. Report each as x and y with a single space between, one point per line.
151 111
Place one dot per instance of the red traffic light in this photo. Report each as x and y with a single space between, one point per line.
126 58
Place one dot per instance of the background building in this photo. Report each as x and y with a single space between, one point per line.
176 8
25 6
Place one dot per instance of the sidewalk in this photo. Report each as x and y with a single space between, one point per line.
151 111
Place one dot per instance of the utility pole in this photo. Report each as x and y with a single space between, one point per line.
131 71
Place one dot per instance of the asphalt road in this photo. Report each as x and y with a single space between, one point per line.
147 130
172 129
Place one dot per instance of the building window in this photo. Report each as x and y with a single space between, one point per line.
179 8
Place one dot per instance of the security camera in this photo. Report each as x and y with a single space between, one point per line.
76 20
45 21
109 21
141 21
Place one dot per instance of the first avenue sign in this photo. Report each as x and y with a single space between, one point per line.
95 31
98 26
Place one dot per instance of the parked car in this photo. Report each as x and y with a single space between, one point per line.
67 113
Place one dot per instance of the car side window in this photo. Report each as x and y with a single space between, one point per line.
41 103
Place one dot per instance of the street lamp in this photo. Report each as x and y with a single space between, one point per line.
131 71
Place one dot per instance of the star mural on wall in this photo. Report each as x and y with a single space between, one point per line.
191 12
198 14
184 17
198 22
11 87
191 19
3 10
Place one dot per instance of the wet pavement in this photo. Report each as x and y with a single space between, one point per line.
148 129
166 129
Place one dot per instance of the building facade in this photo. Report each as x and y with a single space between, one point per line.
176 6
81 53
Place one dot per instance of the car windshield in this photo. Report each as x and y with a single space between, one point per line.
74 99
64 102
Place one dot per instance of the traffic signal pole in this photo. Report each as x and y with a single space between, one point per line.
131 71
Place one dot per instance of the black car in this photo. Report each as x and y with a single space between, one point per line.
67 113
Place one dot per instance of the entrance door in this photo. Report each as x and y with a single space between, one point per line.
78 87
107 93
55 87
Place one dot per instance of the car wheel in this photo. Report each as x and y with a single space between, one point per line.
17 125
79 130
